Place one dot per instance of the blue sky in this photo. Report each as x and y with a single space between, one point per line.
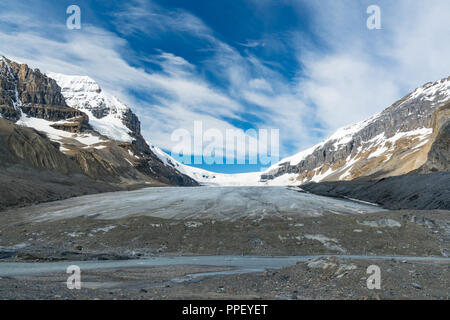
303 67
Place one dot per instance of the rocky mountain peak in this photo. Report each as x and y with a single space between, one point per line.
107 114
84 93
388 143
28 91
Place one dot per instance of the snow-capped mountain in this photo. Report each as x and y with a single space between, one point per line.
393 142
90 127
107 114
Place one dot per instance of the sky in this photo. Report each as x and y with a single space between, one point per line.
302 67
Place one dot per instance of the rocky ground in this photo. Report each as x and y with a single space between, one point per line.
399 233
324 278
409 191
415 233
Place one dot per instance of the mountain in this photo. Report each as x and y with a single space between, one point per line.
427 187
91 129
394 142
103 136
114 120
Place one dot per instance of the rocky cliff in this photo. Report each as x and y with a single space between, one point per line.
438 149
27 90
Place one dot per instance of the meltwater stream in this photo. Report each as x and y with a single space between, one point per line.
242 264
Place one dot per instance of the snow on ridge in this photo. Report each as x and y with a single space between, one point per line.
53 134
430 91
340 137
206 177
75 83
423 134
83 93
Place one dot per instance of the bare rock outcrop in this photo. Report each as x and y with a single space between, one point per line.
438 157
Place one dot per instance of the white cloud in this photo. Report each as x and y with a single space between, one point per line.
145 16
346 88
364 71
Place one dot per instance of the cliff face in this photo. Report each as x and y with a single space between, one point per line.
387 144
111 150
438 155
27 90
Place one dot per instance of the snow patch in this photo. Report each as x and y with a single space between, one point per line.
104 229
381 223
193 224
55 134
329 243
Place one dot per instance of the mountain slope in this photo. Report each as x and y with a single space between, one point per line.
409 191
438 156
428 187
32 169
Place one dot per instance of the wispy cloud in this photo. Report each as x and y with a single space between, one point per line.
147 17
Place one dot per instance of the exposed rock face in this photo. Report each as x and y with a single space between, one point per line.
32 148
27 90
389 143
438 157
